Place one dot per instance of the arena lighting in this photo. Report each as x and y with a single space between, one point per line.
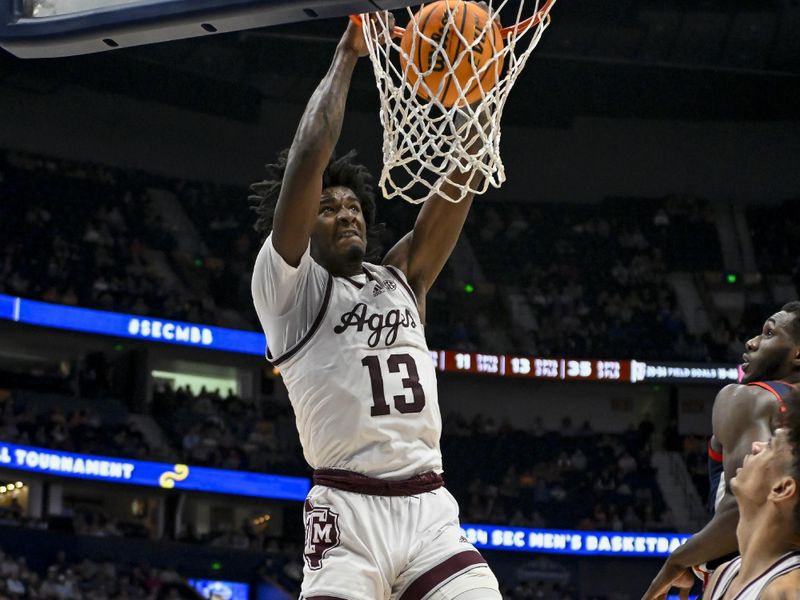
151 474
33 9
150 329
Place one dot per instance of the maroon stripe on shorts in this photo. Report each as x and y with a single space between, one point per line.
429 581
348 481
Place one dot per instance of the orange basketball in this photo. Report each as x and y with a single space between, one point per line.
440 69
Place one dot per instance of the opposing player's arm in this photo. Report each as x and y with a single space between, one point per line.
741 416
423 252
311 150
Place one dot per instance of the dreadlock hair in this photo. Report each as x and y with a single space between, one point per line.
339 172
793 424
794 309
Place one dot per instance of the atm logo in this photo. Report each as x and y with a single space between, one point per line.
322 534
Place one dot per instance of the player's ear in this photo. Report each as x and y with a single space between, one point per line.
796 357
784 490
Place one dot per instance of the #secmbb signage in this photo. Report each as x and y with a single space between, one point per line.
44 314
152 474
585 543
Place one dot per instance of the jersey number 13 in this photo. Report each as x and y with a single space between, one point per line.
396 363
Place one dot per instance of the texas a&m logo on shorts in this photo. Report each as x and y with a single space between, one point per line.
322 533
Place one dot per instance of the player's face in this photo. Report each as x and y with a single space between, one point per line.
340 233
767 464
774 353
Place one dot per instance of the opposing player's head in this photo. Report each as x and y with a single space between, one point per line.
775 352
768 483
345 231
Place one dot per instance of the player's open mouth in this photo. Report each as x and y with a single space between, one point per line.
348 234
745 362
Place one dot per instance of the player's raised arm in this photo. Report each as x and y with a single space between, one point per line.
423 252
741 416
311 150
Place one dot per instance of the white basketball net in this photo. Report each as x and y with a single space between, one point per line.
425 143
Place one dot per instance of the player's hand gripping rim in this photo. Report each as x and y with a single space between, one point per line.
383 25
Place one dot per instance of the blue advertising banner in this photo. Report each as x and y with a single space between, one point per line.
243 483
585 543
152 474
44 314
8 307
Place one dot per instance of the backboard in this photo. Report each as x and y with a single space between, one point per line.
51 28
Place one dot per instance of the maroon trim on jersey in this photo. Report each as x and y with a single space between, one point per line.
722 573
405 285
356 284
317 322
764 584
431 580
368 274
349 481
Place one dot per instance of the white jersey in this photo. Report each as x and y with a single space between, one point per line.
785 564
353 356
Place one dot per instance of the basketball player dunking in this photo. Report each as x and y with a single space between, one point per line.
743 415
767 492
348 337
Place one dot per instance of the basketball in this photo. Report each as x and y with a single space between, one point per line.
455 57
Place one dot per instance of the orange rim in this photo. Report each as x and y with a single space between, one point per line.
542 15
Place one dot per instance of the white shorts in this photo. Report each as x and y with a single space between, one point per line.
363 547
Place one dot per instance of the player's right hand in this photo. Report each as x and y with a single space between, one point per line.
670 576
353 39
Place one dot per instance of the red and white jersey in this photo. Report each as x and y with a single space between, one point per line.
353 356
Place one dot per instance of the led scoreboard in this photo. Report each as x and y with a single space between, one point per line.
73 318
572 369
530 367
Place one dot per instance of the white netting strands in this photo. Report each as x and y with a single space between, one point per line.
430 128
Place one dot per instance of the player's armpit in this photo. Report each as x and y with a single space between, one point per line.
398 255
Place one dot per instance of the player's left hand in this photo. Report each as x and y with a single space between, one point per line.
670 576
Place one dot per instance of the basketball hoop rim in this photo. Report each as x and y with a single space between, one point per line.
543 14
